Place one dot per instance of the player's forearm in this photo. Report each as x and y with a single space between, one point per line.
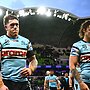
1 82
76 74
70 82
45 85
33 64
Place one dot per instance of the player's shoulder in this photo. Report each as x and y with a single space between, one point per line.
2 37
23 38
55 76
78 43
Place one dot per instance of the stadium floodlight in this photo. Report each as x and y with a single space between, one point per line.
41 10
69 19
1 12
7 12
66 16
21 12
48 13
54 14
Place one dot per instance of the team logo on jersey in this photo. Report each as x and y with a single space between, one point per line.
23 43
84 47
6 42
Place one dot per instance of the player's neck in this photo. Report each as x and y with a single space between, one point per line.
11 36
86 39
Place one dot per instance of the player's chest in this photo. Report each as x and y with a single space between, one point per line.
14 43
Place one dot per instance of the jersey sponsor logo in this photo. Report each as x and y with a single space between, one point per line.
13 53
85 58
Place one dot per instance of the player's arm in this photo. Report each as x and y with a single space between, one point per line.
46 84
71 80
58 85
31 58
1 81
73 60
33 64
2 86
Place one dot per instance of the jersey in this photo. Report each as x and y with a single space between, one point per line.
52 84
82 50
13 57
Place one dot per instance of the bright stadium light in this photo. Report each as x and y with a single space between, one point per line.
66 16
48 13
69 19
21 12
1 12
41 10
7 12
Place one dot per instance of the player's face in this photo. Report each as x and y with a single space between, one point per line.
87 33
12 28
51 72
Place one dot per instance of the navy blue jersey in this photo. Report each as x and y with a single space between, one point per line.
13 57
82 50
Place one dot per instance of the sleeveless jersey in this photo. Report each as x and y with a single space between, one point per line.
82 50
13 57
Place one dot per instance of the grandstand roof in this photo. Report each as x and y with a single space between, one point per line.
58 31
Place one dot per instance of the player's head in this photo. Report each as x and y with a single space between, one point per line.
84 27
47 72
11 24
51 71
66 74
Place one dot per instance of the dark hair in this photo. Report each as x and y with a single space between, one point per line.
9 17
84 25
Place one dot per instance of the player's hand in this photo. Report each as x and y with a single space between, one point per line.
26 72
83 86
4 88
71 88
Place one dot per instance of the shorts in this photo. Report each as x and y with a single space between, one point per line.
16 85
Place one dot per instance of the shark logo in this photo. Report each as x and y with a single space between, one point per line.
6 42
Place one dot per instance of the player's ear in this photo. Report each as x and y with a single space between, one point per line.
5 27
84 30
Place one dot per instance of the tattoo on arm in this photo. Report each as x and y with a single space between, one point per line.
76 74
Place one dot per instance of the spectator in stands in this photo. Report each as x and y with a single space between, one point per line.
80 53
